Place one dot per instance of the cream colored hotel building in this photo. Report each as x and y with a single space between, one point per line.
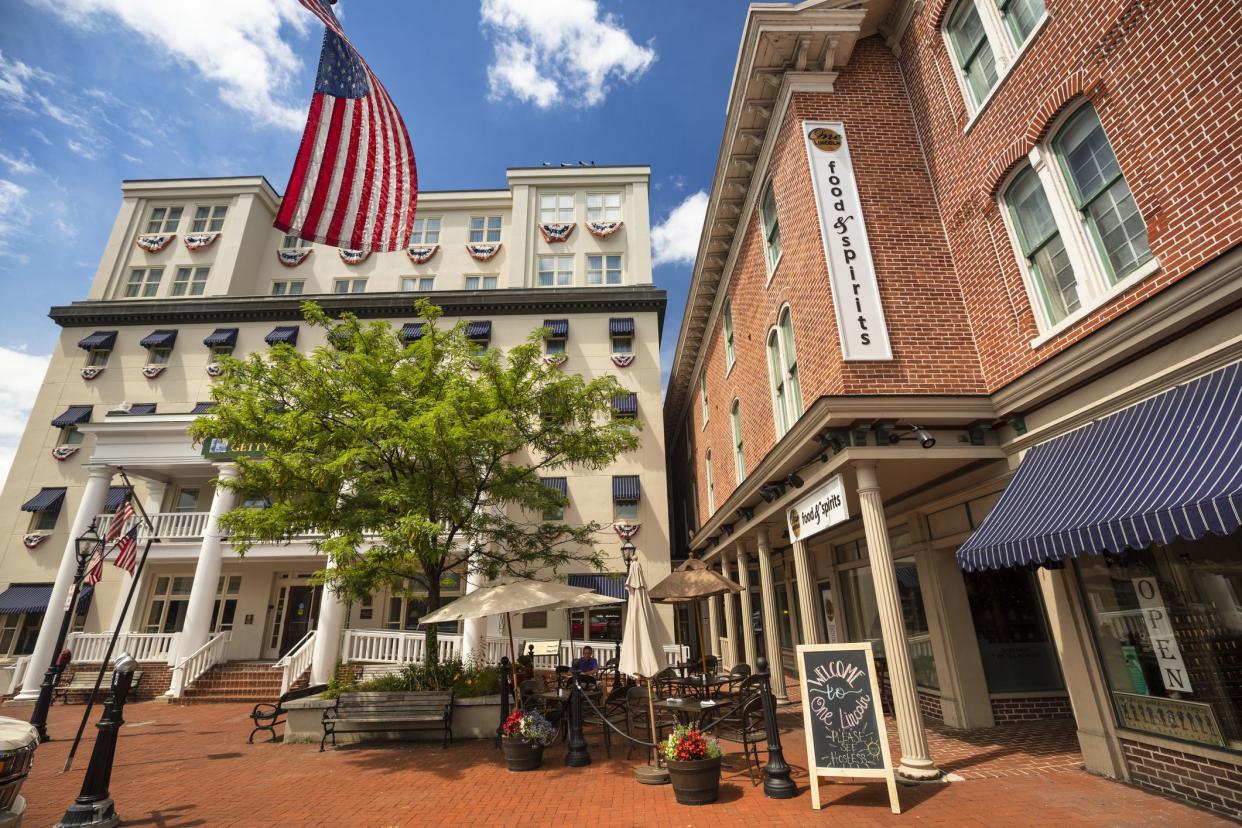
193 268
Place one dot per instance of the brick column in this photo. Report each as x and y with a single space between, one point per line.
771 635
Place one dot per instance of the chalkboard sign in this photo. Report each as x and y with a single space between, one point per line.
845 733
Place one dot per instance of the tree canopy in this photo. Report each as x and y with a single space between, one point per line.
404 459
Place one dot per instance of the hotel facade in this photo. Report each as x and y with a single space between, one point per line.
959 370
193 269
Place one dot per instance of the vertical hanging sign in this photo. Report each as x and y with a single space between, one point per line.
851 273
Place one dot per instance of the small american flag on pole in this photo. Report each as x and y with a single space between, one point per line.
94 573
124 514
354 184
127 551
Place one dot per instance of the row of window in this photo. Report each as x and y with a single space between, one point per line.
144 282
626 494
208 218
984 37
559 208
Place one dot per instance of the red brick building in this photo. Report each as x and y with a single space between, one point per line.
944 239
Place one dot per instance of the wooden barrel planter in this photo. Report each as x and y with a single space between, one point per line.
521 755
696 782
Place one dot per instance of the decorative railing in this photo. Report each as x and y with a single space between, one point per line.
190 668
20 666
92 647
169 526
296 662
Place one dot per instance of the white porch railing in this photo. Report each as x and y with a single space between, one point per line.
169 526
190 668
296 662
91 647
20 666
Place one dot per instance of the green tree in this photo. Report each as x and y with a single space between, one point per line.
408 460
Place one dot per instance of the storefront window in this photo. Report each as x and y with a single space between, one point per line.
782 613
1012 631
915 618
862 617
605 624
1168 627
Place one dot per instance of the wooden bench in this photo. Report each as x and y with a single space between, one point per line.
83 682
401 711
267 715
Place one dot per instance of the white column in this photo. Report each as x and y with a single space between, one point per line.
327 634
730 621
916 761
713 625
808 593
791 601
748 624
197 627
474 630
771 634
155 499
93 497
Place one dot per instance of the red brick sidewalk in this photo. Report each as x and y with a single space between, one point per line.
179 767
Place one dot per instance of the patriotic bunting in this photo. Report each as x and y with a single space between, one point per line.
153 371
622 360
63 453
421 253
555 360
550 532
625 531
154 243
354 257
553 233
89 374
34 539
197 241
483 252
215 369
601 229
293 258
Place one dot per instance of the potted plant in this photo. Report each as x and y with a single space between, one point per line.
693 762
524 736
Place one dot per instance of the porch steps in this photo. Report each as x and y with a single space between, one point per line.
238 681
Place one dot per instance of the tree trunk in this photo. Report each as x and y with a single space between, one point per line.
432 654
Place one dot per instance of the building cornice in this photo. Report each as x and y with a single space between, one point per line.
205 187
510 301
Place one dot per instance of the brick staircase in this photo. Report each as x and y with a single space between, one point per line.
238 681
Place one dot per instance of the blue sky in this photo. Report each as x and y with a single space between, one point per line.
96 91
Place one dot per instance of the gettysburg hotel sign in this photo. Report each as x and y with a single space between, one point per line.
855 294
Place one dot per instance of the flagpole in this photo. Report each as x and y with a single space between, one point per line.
129 597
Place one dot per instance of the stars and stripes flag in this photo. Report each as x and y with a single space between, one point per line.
127 551
94 567
353 183
123 515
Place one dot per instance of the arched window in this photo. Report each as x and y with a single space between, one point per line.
739 463
727 325
771 228
984 38
783 369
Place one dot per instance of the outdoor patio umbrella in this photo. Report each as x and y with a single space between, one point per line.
688 584
640 649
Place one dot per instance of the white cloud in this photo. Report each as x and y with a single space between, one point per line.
21 374
18 165
550 51
78 148
15 218
235 44
14 78
676 239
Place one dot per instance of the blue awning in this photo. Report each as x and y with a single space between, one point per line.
73 415
626 487
1168 467
116 496
557 483
202 408
604 584
221 337
479 331
159 339
412 331
33 598
99 340
142 408
559 327
625 404
287 334
621 327
47 500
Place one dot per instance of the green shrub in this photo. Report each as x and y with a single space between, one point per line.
467 681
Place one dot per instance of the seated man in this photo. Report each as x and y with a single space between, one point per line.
586 666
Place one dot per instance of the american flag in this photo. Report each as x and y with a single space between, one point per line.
127 551
353 184
94 572
124 514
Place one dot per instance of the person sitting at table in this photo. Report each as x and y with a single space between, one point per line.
586 666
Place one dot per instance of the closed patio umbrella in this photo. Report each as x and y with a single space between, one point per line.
688 584
640 649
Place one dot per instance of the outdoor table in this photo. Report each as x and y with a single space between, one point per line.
705 686
685 708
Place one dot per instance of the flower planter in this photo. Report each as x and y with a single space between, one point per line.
521 755
696 782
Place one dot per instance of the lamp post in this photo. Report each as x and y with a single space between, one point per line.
628 554
84 547
94 807
776 781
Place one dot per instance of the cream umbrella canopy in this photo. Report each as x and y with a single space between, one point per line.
640 649
689 583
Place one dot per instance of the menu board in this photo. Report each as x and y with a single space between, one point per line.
841 715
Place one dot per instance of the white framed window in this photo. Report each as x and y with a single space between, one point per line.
218 351
482 282
190 281
158 356
288 287
208 218
164 219
703 395
143 282
18 632
554 345
98 357
604 270
623 510
727 325
45 520
623 344
984 39
783 372
70 436
771 228
422 284
293 243
1073 222
711 483
555 271
484 229
349 286
739 460
425 230
556 208
603 206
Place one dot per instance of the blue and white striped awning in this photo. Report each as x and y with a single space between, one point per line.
73 415
116 496
412 331
558 327
20 598
47 500
202 408
479 331
142 408
621 327
557 483
625 404
626 487
1168 467
287 334
221 338
99 340
604 584
159 339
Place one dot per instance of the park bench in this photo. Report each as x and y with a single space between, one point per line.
83 682
267 715
385 712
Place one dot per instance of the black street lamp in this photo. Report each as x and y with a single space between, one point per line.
777 783
85 547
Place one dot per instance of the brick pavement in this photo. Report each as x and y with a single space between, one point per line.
180 767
